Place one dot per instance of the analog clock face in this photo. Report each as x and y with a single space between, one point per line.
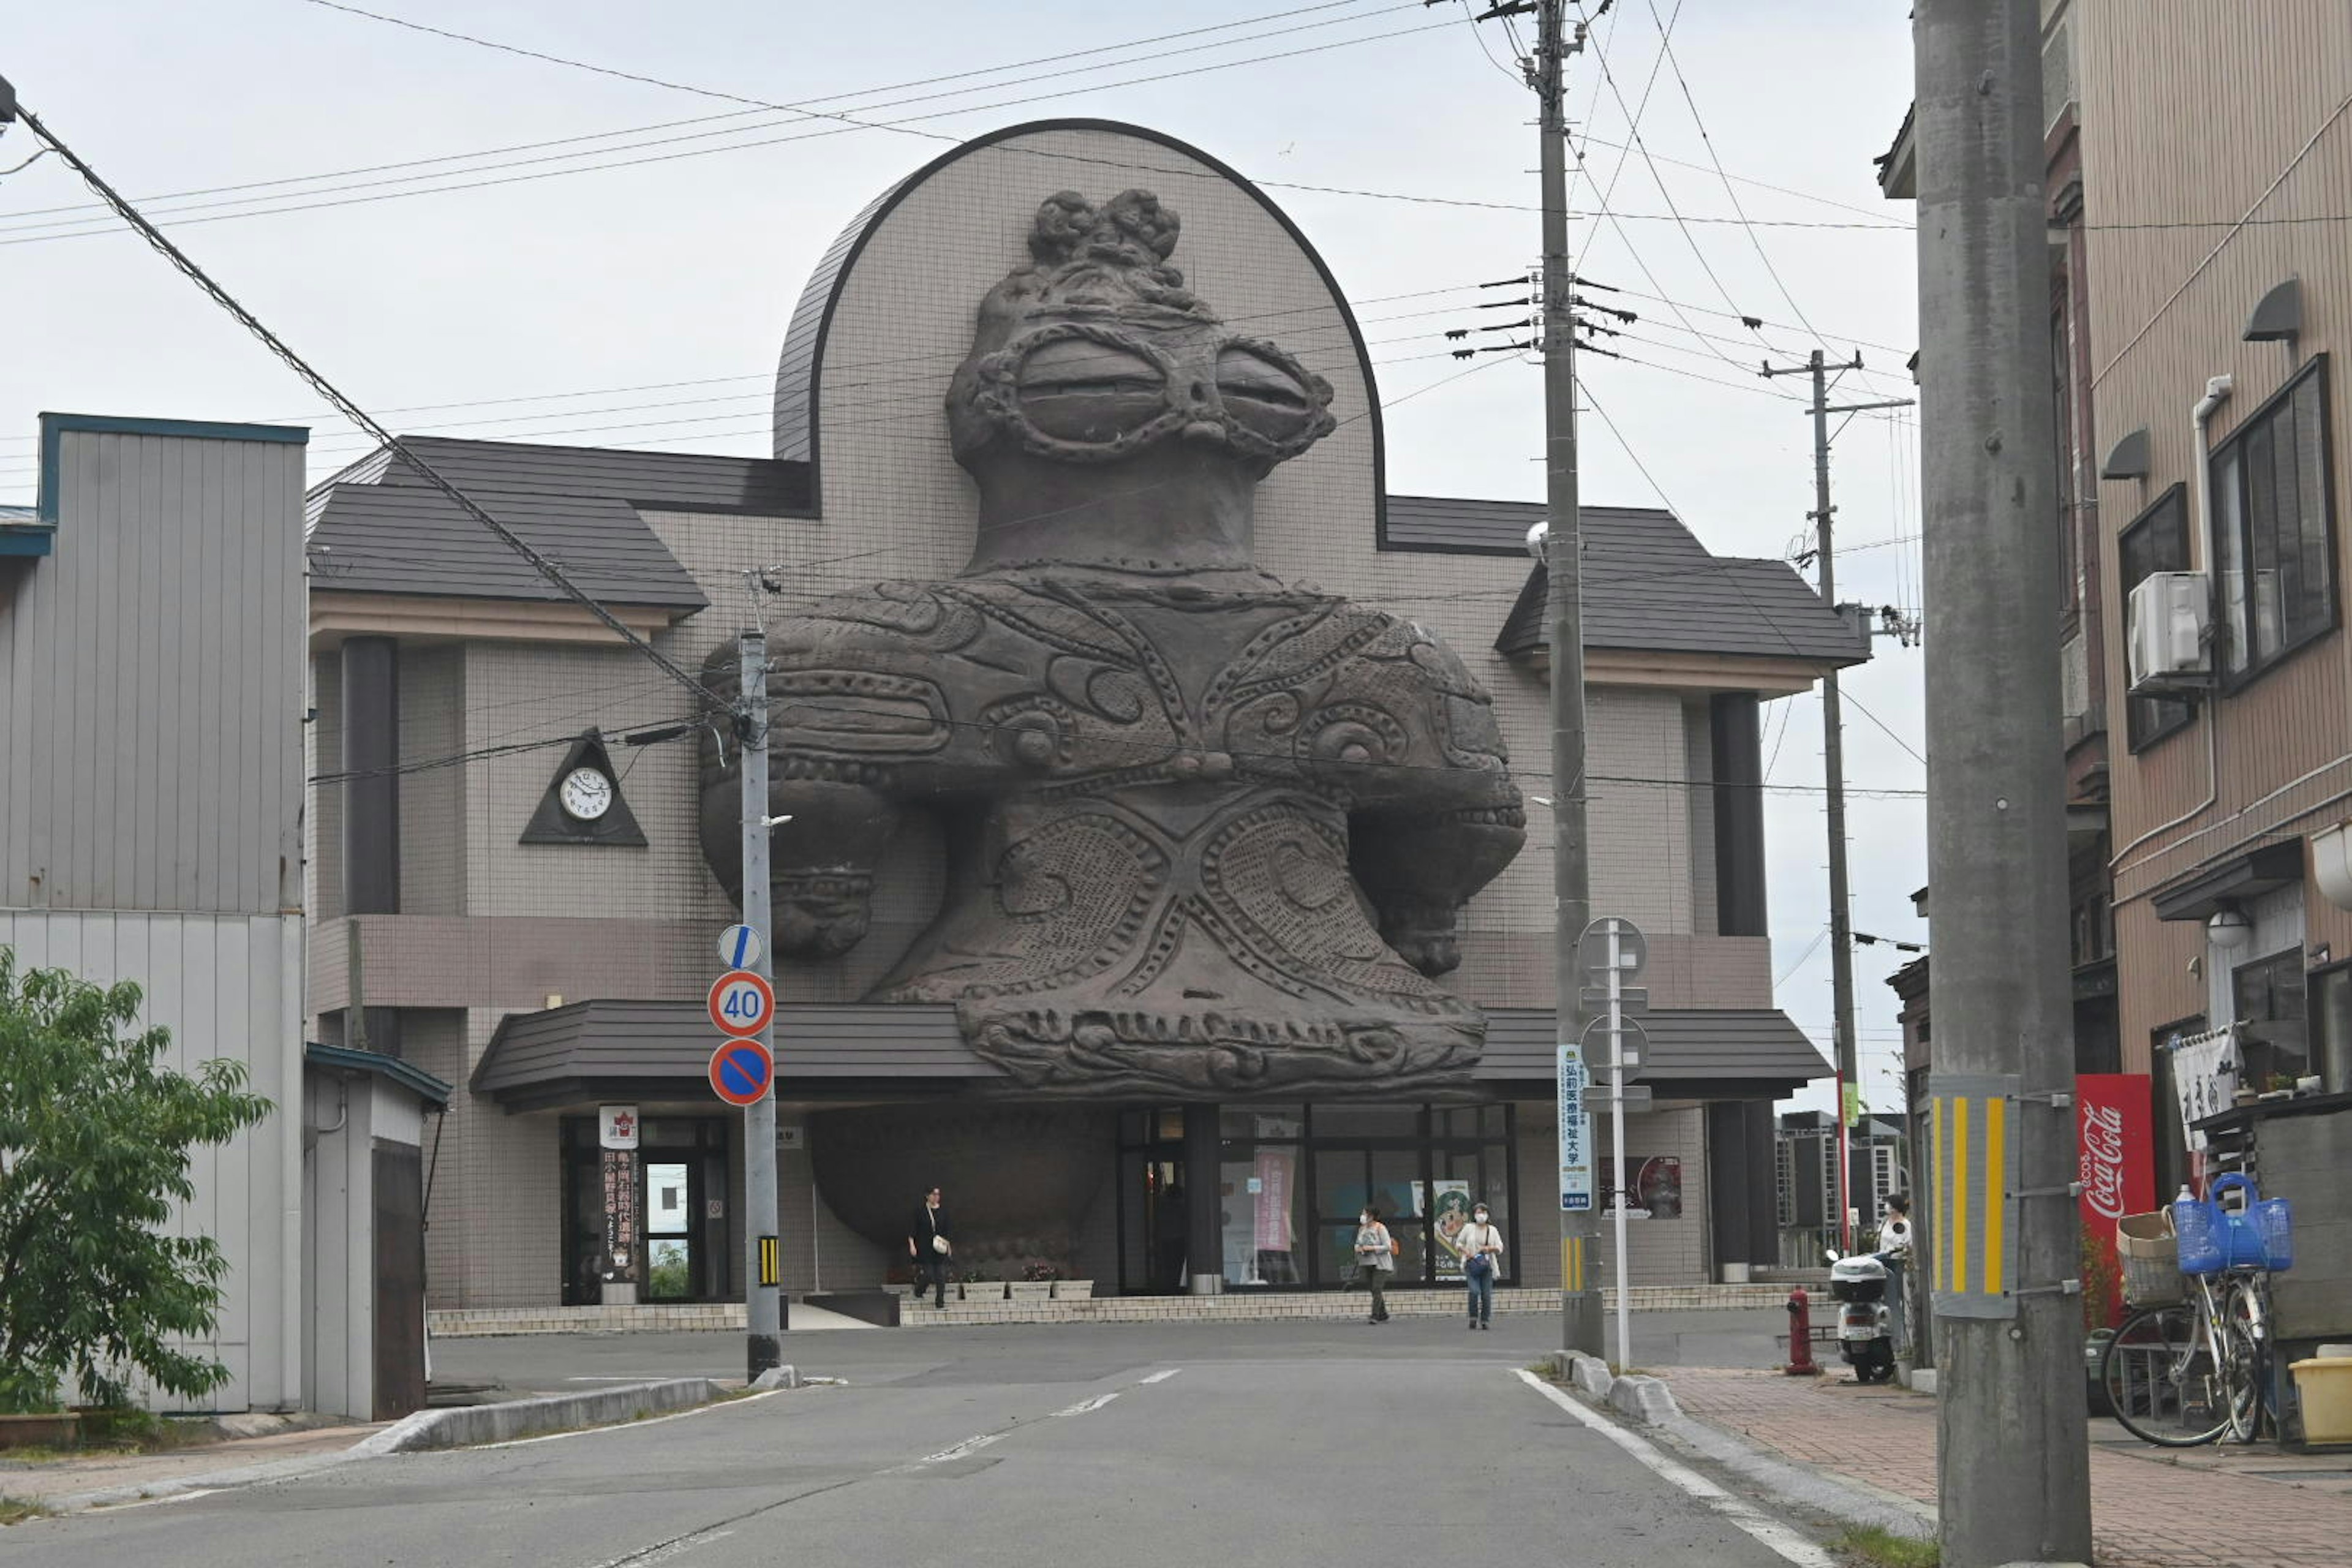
587 793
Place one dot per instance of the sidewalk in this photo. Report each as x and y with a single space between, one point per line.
50 1482
2214 1507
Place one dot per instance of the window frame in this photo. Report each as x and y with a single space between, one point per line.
2263 418
2135 736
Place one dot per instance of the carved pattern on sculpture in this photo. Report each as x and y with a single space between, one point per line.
1208 832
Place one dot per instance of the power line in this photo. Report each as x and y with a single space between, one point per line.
351 411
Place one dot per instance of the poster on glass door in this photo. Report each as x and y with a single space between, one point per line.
1449 1211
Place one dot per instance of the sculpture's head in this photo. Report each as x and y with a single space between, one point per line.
1106 413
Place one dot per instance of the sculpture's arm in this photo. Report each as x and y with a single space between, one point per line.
1430 831
1419 868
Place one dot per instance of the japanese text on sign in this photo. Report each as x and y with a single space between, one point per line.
1575 1134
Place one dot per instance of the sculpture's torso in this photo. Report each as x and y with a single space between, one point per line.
1151 792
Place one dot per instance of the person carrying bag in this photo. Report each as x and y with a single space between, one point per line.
1481 1244
929 1249
1376 1253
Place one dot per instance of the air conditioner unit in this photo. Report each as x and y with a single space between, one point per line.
2166 637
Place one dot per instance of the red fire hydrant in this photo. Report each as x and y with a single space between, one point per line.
1800 1336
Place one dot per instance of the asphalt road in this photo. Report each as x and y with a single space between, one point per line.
1406 1442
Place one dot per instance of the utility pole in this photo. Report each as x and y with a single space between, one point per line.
1849 1066
1560 546
2013 1454
1580 1318
764 1308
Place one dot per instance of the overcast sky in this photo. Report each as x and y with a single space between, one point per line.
567 291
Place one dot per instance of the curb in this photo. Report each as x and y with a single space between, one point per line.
433 1429
466 1426
1650 1402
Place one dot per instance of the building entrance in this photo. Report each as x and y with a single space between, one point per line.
679 1251
1291 1179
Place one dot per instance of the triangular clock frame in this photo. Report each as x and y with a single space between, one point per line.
551 824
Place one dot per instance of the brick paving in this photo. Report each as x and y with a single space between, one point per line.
2218 1507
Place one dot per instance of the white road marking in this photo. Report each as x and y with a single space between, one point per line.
1163 1377
1788 1542
969 1446
973 1445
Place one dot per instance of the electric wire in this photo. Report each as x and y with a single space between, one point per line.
351 411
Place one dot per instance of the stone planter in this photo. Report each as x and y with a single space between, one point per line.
899 1288
1074 1290
1031 1290
985 1290
54 1430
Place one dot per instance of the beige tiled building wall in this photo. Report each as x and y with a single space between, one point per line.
490 925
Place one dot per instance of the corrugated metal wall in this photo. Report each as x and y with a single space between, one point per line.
226 985
2190 114
152 695
151 682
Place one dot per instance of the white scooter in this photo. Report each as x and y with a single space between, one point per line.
1865 1326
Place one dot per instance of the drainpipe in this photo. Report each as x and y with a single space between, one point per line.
2217 393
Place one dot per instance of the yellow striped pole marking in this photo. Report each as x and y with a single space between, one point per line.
1959 1274
770 1272
1571 1264
1996 1127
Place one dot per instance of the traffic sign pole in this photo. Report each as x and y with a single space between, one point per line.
763 1305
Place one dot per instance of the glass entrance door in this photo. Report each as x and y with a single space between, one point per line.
670 1204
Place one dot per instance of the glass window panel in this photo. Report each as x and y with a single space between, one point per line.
2274 570
1367 1122
665 1212
670 1274
1339 1182
2314 607
1262 1123
2159 542
1170 1121
1264 1218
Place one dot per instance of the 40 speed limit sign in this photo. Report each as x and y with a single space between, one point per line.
741 1002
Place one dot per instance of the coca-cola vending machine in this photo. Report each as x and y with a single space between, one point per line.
2116 1143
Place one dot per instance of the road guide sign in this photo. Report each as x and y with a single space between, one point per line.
741 1002
738 947
741 1071
1575 1134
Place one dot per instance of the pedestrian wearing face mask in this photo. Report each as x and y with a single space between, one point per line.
1375 1256
1481 1241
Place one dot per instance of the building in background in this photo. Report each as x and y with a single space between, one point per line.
548 950
151 716
1805 1182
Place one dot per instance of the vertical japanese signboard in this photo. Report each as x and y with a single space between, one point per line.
621 1217
1575 1134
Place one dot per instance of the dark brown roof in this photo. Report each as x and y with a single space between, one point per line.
1650 584
569 1054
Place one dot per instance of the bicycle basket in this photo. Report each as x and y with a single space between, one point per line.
2150 1256
2273 1225
2212 1238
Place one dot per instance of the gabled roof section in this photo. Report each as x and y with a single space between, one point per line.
406 539
653 481
1650 586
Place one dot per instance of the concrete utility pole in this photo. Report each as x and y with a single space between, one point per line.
1849 1066
2013 1458
1580 1317
764 1308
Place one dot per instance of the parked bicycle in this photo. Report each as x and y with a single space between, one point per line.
2196 1367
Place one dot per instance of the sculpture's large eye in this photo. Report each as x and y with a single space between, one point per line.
1263 395
1079 390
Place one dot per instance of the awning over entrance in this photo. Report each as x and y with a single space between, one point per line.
1694 1053
592 1051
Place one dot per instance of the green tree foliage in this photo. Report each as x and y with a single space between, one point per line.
95 1136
